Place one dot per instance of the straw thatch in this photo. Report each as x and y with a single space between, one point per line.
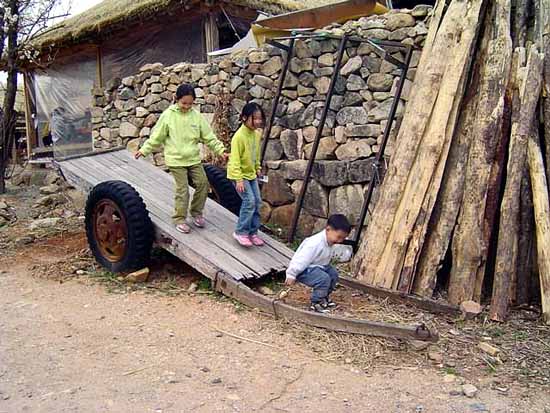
111 14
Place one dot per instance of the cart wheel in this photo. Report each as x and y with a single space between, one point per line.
118 227
223 190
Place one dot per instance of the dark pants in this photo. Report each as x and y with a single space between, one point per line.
323 280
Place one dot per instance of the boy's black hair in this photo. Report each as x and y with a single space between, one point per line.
339 222
249 109
185 90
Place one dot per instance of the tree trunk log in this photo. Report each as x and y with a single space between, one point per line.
507 249
7 132
471 237
443 219
541 202
545 34
414 177
519 22
520 288
394 179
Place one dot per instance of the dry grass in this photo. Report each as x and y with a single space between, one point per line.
111 14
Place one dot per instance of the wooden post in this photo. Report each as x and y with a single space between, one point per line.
470 242
541 203
466 179
99 67
389 256
211 33
521 283
29 121
545 44
507 249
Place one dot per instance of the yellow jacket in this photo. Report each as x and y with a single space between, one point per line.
244 161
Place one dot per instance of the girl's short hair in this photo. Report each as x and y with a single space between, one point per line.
249 109
185 90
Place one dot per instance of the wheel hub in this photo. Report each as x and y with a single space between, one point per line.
110 230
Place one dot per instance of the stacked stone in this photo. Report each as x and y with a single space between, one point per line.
355 123
126 111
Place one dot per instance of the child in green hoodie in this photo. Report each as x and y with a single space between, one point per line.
180 129
243 168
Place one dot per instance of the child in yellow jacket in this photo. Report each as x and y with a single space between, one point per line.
243 168
180 129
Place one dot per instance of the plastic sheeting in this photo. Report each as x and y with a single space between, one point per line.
173 42
63 105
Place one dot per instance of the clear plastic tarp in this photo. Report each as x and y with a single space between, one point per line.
63 94
173 42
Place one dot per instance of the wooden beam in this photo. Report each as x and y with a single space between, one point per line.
541 203
410 188
242 293
470 243
402 298
211 33
29 121
507 248
99 67
545 44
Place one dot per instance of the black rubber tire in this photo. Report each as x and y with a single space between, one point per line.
139 225
224 191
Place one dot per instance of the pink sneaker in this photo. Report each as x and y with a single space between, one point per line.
257 241
243 240
199 221
183 228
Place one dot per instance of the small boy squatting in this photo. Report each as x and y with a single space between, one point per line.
310 265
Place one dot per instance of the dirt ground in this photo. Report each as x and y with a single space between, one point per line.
74 338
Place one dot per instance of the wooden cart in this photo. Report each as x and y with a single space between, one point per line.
129 208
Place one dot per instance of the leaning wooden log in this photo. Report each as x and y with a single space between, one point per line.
481 122
507 248
541 203
410 188
519 22
443 219
424 91
472 235
522 280
545 43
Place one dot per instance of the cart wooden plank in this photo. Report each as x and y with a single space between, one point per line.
222 219
227 219
254 259
162 221
211 250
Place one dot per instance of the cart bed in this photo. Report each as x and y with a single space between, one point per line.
211 250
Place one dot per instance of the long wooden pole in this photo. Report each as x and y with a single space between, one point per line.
371 247
414 177
541 203
467 177
470 242
545 44
507 248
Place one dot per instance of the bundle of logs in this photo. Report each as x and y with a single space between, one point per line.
464 206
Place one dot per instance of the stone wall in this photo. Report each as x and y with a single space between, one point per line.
126 111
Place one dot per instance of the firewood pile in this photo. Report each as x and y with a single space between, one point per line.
464 206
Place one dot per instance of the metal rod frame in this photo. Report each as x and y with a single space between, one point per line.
379 49
380 154
319 134
289 54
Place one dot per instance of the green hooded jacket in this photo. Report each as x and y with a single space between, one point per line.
244 161
180 133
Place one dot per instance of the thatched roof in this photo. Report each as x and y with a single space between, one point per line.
111 14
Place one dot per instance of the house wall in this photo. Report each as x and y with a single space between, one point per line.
125 113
